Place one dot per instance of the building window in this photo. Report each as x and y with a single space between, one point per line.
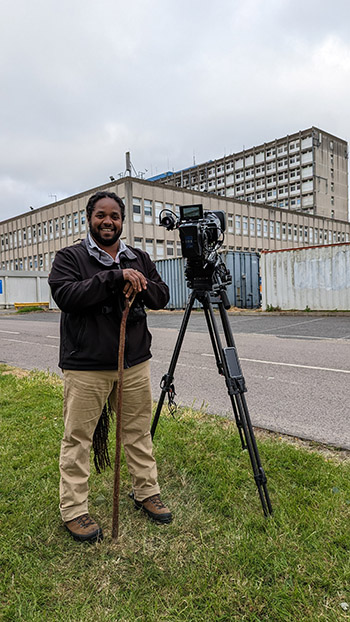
252 226
147 205
278 230
76 222
170 248
158 207
266 230
245 225
160 249
259 227
272 229
136 208
238 223
82 220
138 243
149 247
63 225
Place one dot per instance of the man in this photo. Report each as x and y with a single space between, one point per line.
89 282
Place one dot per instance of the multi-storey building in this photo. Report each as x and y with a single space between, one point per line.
30 241
305 171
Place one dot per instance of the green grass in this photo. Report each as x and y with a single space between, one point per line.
220 559
30 309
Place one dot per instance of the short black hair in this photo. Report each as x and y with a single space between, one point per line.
102 195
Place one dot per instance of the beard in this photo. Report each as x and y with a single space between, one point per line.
105 241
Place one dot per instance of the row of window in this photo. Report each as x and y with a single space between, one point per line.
33 262
259 159
145 211
55 228
259 170
262 227
260 156
149 210
294 187
293 174
158 249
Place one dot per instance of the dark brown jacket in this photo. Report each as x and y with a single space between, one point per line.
90 297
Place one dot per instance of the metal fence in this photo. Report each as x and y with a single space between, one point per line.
243 293
21 286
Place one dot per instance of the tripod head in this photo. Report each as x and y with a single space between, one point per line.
209 276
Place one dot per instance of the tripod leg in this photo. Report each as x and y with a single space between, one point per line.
169 377
236 388
259 473
216 343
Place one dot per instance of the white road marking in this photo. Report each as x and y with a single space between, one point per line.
318 319
340 371
33 343
9 332
52 337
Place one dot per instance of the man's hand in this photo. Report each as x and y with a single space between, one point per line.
135 282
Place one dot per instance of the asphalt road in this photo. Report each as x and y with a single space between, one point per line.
297 368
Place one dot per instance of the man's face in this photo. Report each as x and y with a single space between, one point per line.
106 223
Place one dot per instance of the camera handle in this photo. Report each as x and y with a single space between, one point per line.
228 365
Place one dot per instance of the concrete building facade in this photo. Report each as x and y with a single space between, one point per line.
306 171
29 241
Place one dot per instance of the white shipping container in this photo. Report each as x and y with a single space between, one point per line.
316 277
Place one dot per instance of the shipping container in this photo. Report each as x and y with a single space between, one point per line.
315 278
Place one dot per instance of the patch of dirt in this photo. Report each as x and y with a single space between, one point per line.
15 371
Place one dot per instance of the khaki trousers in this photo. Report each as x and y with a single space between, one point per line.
85 393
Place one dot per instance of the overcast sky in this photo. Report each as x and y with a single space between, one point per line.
84 81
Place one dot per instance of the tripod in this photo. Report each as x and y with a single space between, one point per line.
228 365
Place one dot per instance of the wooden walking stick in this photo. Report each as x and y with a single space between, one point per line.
116 486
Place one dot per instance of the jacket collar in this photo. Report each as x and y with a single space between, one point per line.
105 258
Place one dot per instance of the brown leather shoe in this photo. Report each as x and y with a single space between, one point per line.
155 509
84 529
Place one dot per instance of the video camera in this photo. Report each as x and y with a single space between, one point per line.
201 232
201 235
